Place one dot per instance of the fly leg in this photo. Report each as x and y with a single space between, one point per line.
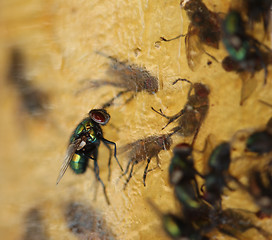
196 189
176 116
96 170
234 179
130 98
109 162
184 80
115 62
126 171
110 102
95 84
211 56
130 174
158 165
171 39
170 118
107 142
146 170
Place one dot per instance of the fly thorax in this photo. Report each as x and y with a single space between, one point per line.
176 176
91 135
236 42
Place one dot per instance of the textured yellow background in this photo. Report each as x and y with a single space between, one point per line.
59 39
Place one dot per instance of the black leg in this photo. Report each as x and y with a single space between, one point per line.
130 98
95 189
113 59
184 80
202 188
95 84
175 130
199 174
211 56
171 118
96 170
234 179
109 163
158 165
130 175
110 102
145 171
161 113
126 171
196 133
196 189
171 39
105 141
265 103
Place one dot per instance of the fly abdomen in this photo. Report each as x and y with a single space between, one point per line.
79 163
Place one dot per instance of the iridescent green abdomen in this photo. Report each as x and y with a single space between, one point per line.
186 195
79 163
219 160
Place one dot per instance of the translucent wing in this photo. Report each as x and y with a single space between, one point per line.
194 49
133 149
237 221
68 157
249 84
210 144
126 148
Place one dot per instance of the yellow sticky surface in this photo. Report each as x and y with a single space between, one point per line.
59 40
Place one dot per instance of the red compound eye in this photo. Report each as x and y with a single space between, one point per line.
99 116
183 148
229 65
183 145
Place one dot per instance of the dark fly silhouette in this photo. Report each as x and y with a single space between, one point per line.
86 222
35 227
33 100
246 54
129 78
256 11
260 189
194 112
145 149
204 29
182 176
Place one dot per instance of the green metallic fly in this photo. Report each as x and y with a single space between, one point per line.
84 144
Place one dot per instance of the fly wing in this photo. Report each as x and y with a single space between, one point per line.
68 157
249 84
125 148
210 144
193 47
136 150
238 221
